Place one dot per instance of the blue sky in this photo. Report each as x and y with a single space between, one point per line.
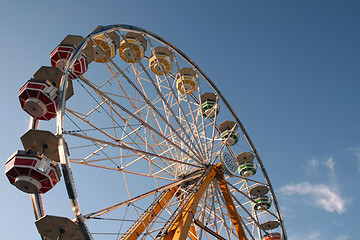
290 70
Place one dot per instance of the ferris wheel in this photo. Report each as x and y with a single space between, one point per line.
148 146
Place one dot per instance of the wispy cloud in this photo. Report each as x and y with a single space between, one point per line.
356 152
330 163
313 235
342 238
314 164
320 195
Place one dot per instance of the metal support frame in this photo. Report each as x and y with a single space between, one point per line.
184 223
230 206
180 227
148 216
36 198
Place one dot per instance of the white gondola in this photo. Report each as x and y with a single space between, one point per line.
260 200
261 203
209 105
229 133
247 167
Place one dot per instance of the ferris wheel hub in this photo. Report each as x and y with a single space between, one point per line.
27 184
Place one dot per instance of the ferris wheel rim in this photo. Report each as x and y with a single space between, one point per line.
62 99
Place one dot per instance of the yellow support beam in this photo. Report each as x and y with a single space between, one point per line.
230 206
179 230
141 224
193 234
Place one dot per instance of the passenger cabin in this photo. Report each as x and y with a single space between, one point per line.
269 226
104 46
259 199
161 60
209 105
35 169
247 167
187 80
32 173
60 56
132 47
229 133
39 96
272 236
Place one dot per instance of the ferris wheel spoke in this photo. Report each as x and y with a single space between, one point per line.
134 199
175 97
92 125
138 91
207 215
97 145
195 120
100 130
147 220
221 202
178 97
202 126
169 110
157 123
213 132
253 221
120 170
99 105
137 151
137 134
138 119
